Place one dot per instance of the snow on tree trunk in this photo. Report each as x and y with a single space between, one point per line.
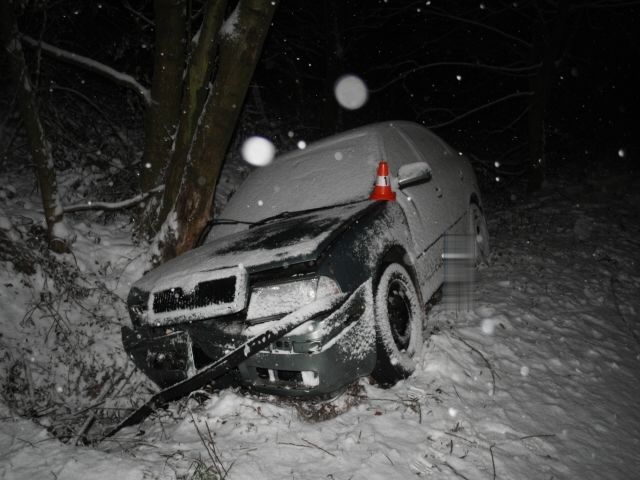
242 39
166 92
38 144
195 92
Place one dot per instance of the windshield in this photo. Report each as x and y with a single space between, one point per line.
327 173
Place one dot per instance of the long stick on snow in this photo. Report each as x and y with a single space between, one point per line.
220 367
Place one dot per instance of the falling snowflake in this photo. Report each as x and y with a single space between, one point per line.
351 92
258 151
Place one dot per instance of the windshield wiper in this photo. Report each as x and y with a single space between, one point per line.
229 221
295 213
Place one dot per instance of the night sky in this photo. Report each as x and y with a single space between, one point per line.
426 61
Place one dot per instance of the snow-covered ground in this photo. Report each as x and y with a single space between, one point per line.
540 380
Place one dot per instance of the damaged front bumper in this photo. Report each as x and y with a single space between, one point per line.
317 358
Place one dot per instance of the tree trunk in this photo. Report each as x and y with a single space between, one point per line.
195 92
240 49
166 92
547 49
40 149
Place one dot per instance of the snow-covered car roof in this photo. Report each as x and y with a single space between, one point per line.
333 171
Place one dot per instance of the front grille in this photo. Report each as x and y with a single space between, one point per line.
198 296
205 293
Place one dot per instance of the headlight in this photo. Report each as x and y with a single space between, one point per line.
286 297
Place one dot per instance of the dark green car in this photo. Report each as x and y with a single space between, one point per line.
298 232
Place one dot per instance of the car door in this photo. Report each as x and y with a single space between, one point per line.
448 173
424 205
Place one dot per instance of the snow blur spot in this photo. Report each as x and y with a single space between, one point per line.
394 361
459 78
201 180
258 151
260 203
290 134
147 165
59 389
453 412
496 164
488 326
302 144
351 92
622 153
497 179
524 371
338 156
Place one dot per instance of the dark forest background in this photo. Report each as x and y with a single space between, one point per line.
524 87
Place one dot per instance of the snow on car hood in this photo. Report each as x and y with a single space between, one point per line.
289 240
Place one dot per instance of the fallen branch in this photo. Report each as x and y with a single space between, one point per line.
112 205
316 446
210 447
81 436
91 65
493 374
493 462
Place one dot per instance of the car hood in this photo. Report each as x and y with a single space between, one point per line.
297 238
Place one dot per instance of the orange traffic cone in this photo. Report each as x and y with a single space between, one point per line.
382 190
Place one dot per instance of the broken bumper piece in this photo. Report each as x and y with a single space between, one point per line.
166 357
317 358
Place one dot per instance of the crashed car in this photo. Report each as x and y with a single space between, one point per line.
329 221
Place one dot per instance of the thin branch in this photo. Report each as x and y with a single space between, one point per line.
481 107
112 205
316 446
113 126
91 65
493 462
142 17
482 25
493 374
539 435
497 68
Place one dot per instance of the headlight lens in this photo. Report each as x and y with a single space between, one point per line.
286 297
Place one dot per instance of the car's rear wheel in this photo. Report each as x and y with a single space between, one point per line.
399 317
478 229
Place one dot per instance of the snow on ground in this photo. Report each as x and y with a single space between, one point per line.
539 380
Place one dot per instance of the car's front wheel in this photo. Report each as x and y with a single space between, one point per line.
399 317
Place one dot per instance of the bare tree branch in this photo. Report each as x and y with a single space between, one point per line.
481 107
497 68
486 26
112 205
91 65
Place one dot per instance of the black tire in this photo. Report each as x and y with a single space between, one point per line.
478 229
399 317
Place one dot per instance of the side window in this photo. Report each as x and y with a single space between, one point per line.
431 148
398 150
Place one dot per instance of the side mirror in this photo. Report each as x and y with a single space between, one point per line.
412 173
